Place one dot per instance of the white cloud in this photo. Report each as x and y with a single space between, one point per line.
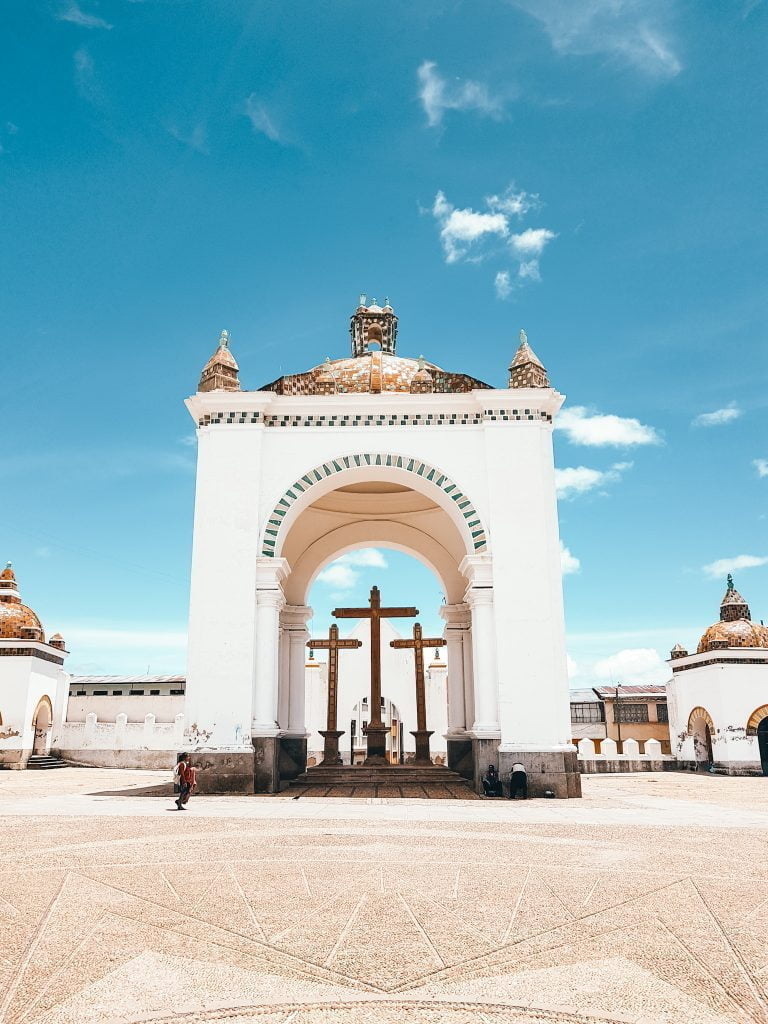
87 636
515 204
437 95
718 417
342 574
368 557
722 566
73 13
582 426
85 77
502 284
569 563
530 242
464 230
632 32
575 480
196 139
261 120
633 665
459 229
761 465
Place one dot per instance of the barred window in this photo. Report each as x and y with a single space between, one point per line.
590 711
631 712
662 712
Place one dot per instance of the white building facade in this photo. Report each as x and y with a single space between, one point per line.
718 697
376 449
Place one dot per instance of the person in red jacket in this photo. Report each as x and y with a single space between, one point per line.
187 776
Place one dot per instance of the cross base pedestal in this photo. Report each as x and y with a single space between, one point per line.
331 755
421 736
376 739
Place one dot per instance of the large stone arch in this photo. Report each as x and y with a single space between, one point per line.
42 722
411 471
756 718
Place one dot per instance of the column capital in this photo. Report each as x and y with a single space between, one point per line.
479 596
456 616
270 572
295 617
478 570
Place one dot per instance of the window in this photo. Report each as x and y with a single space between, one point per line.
662 712
176 693
382 702
353 729
81 693
100 693
154 693
365 725
631 712
117 693
589 711
135 693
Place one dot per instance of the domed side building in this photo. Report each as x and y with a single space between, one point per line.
718 697
33 684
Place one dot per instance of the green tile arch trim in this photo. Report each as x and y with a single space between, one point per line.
415 466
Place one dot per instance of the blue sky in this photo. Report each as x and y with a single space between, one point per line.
594 172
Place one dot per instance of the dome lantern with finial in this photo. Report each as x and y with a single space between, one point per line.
735 627
17 620
220 372
526 371
371 324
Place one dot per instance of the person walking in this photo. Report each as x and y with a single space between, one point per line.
180 776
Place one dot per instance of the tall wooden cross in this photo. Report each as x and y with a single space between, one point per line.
417 645
331 734
376 732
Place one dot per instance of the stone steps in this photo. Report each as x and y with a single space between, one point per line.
396 781
42 762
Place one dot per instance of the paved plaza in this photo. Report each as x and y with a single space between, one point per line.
646 901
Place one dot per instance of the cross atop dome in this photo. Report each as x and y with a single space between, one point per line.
373 325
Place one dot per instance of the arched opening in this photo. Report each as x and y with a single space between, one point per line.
762 742
403 580
701 728
42 720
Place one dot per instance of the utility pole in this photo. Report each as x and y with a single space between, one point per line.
617 715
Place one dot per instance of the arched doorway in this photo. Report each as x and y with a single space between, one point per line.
762 742
757 726
42 720
701 728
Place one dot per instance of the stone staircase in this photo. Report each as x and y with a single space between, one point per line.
42 762
432 782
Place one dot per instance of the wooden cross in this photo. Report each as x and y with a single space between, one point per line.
331 734
376 732
417 645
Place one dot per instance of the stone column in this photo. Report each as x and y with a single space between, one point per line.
270 601
479 598
295 618
283 670
456 618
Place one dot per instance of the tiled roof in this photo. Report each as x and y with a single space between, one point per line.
650 690
117 680
587 696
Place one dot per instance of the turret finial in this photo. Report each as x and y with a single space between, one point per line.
224 339
729 579
523 338
363 299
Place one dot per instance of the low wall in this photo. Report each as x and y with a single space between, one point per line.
164 708
632 759
119 744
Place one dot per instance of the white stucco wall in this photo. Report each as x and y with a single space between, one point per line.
506 470
730 691
24 681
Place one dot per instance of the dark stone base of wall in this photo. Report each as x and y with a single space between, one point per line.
222 772
88 757
553 771
744 768
484 752
460 758
611 766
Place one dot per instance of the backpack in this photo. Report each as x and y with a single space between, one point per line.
177 774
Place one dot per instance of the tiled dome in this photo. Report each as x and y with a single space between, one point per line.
735 628
17 621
